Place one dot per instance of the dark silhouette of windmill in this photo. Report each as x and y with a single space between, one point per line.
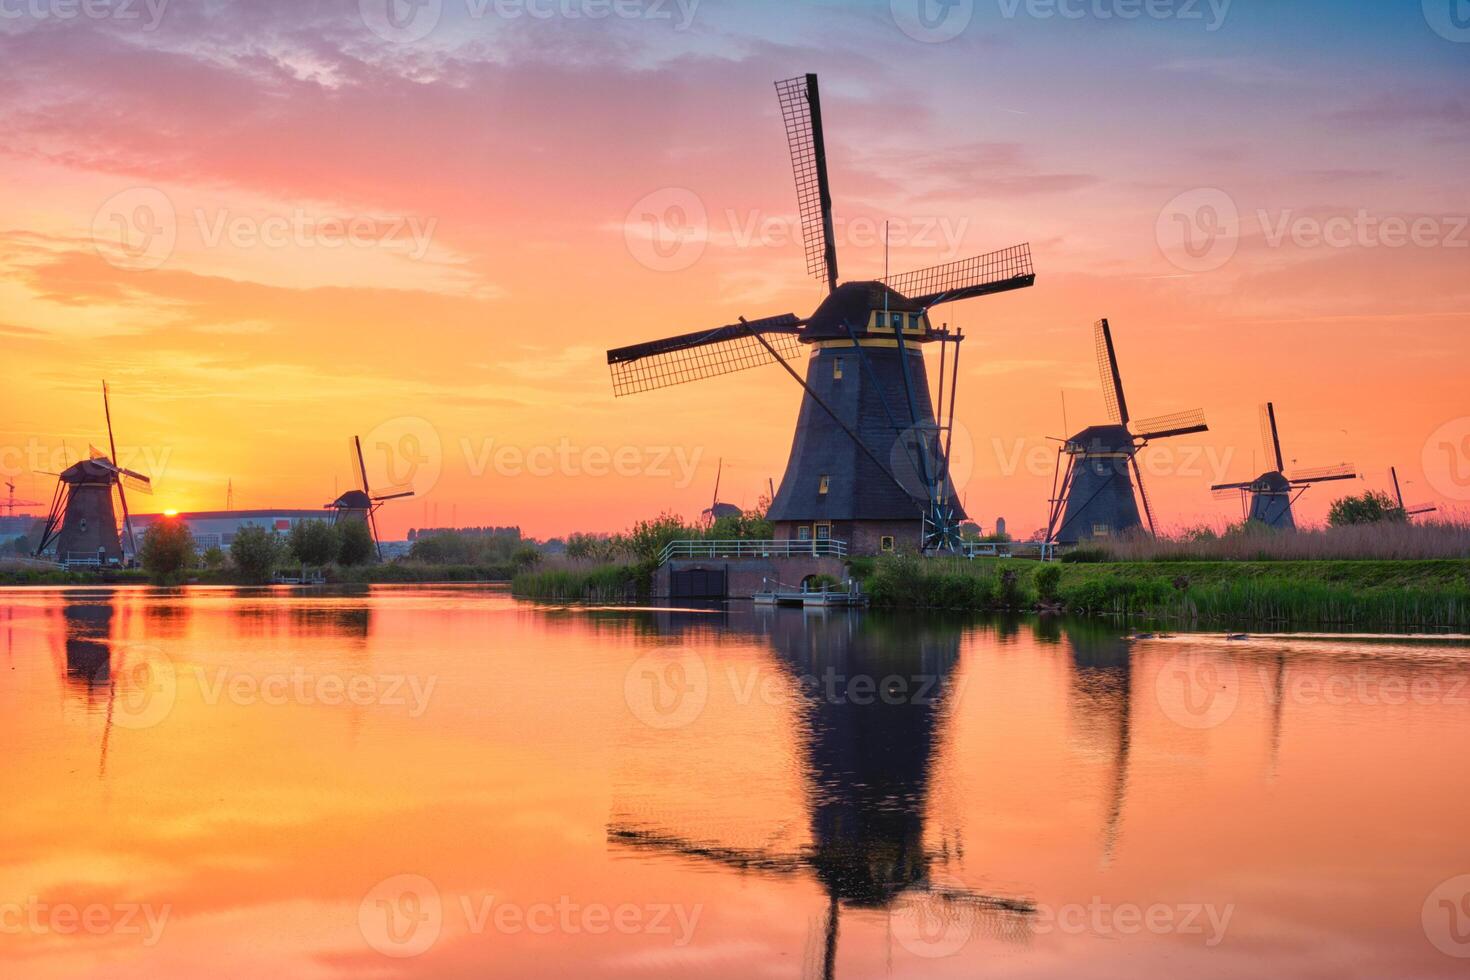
81 527
1272 494
362 502
1094 496
716 509
868 765
1411 511
869 460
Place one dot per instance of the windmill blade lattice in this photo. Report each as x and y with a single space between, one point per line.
706 354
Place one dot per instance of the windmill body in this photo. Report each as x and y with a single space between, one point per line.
869 461
88 520
1270 501
1098 494
361 503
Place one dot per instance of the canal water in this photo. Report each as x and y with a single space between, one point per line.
447 782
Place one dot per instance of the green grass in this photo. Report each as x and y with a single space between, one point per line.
1429 594
592 583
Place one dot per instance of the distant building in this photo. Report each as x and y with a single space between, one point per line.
1000 525
217 528
20 524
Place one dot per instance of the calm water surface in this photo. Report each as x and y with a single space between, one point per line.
445 782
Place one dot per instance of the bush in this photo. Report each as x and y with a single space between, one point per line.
1372 507
355 545
313 542
255 552
168 549
1048 581
214 557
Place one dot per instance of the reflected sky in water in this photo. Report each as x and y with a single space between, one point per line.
445 782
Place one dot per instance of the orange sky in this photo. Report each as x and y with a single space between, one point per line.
495 178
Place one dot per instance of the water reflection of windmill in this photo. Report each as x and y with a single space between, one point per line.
1094 495
868 768
362 503
81 527
1101 703
870 458
1272 494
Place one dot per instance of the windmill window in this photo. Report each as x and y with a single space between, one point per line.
824 532
837 369
916 321
1101 530
885 543
898 321
824 484
804 533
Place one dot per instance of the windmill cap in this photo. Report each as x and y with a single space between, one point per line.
851 304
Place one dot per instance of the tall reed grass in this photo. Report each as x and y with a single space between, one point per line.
1449 538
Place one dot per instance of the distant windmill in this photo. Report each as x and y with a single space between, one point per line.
1398 494
1094 496
362 503
1272 494
82 524
717 510
869 460
11 503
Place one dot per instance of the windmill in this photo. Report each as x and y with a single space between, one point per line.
11 503
1094 496
362 503
1272 494
869 459
1408 512
717 510
81 527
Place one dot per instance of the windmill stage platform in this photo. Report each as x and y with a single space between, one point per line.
749 569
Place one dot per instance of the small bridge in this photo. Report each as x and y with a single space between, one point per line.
739 569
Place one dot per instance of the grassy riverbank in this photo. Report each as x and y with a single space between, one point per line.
1428 594
584 583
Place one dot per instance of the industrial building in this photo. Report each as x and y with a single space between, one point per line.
217 528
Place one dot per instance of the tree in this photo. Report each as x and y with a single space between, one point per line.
255 552
356 545
1372 507
313 542
213 557
168 548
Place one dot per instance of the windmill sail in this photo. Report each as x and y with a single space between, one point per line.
979 275
1175 424
706 354
1323 474
801 113
1107 369
1270 438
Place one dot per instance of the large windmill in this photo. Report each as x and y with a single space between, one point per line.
1094 496
1413 510
81 527
362 503
1271 495
869 460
